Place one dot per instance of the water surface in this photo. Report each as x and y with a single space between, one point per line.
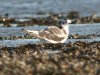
82 29
29 7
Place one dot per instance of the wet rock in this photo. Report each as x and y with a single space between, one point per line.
78 58
73 15
51 19
78 36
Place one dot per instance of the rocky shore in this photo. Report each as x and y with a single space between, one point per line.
78 58
51 19
72 36
72 58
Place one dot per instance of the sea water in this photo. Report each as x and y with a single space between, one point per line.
82 29
22 8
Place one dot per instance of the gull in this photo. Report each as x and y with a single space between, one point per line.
52 34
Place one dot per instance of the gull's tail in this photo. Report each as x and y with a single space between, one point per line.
32 33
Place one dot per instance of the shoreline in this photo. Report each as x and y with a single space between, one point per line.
48 19
73 58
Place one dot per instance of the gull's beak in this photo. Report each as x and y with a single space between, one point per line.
68 21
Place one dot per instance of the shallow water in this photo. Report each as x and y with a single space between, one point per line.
29 7
82 29
18 42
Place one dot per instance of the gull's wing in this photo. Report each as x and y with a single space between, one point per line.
52 33
33 33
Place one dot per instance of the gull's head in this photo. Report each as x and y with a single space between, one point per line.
68 21
64 22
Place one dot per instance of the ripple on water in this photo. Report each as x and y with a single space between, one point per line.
33 6
80 29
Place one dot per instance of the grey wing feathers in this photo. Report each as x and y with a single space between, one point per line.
52 33
32 33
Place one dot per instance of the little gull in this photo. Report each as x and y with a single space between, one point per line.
52 34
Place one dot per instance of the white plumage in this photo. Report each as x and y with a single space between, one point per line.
52 34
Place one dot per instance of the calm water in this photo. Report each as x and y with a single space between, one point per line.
82 29
30 7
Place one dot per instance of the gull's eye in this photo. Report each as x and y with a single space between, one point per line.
62 22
